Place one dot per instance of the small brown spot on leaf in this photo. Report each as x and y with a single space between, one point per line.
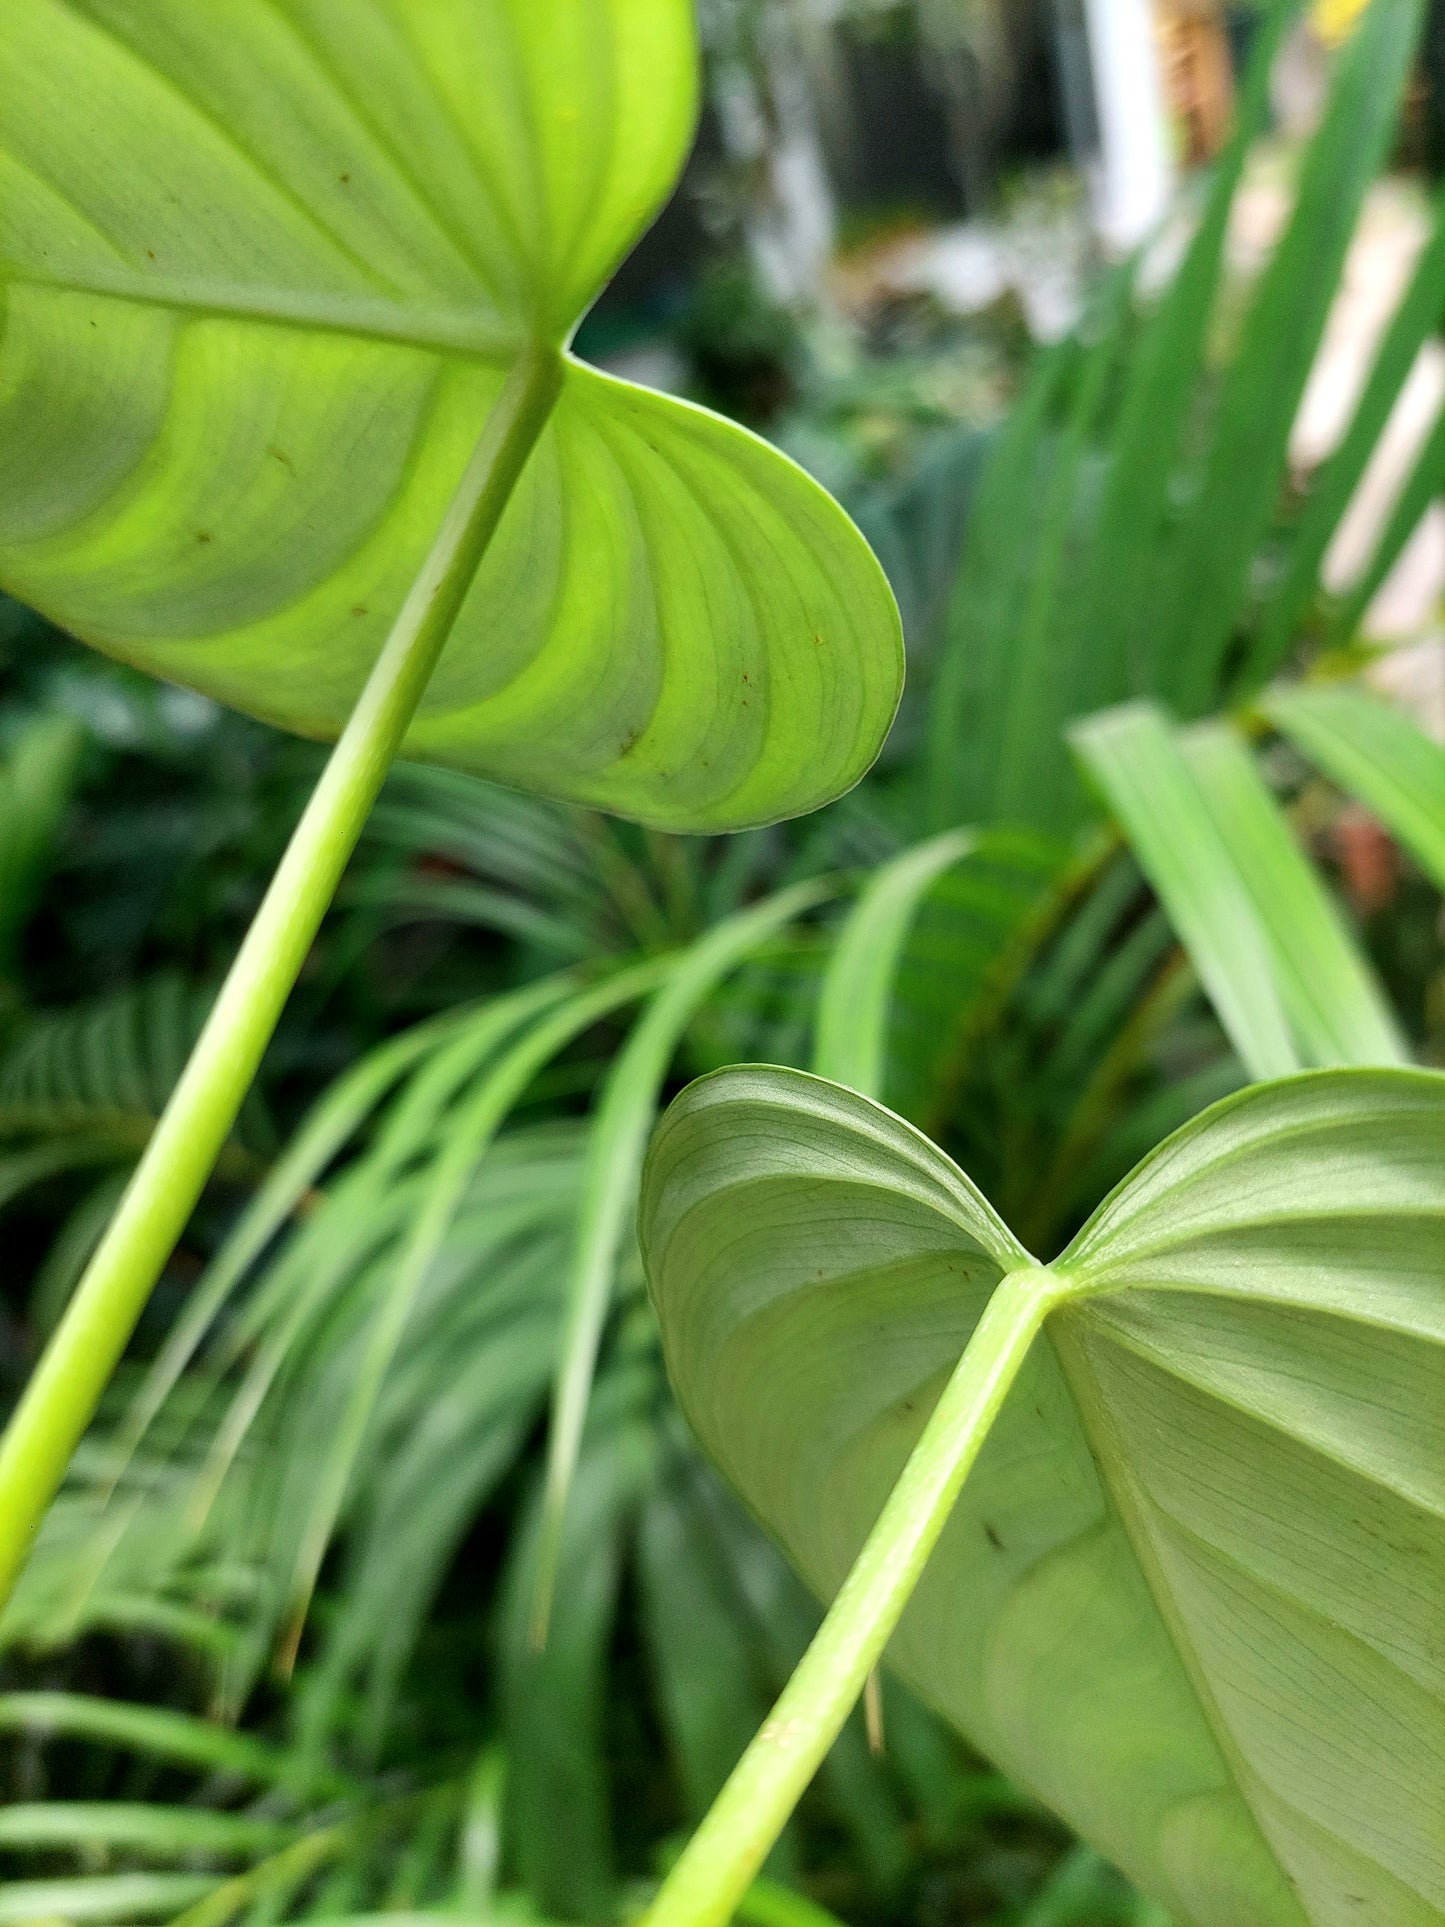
150 254
203 537
345 180
359 609
992 1537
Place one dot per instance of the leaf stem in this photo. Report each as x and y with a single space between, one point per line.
66 1386
719 1862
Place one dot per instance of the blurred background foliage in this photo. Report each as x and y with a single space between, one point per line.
391 1585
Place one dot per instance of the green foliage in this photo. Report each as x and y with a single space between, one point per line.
35 782
234 432
402 1385
1187 1592
1127 539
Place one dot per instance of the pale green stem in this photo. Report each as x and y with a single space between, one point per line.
719 1862
67 1384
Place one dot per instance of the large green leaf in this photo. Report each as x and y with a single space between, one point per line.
1190 1593
265 266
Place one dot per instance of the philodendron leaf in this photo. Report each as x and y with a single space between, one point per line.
1190 1595
265 267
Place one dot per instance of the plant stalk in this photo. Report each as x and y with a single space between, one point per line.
76 1366
719 1862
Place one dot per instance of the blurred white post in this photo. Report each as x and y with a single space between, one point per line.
1133 170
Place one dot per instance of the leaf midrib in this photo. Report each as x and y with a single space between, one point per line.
1119 1486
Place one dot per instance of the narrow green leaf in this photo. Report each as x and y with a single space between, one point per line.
708 1690
1189 1593
1160 389
36 777
158 1832
1378 755
153 1731
617 1141
1422 486
1203 583
479 1117
973 658
337 1115
1046 657
766 1904
553 1700
1334 1003
1132 757
107 1898
856 998
1414 321
479 1845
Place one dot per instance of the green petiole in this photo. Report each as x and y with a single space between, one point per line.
76 1366
717 1867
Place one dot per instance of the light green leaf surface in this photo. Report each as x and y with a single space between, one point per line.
1189 1596
617 1143
851 1040
1250 908
153 1731
107 1897
265 266
159 1832
1376 753
37 772
1336 1008
1132 757
1414 322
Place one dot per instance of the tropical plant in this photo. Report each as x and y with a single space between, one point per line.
261 439
1117 937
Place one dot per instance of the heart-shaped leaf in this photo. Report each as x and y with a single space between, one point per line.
265 266
1191 1593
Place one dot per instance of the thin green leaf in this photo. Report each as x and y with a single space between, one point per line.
1422 486
337 1115
707 1684
616 1143
153 1731
107 1898
1161 388
1335 1006
1378 755
480 1117
766 1904
158 1832
36 777
553 1699
1130 754
1202 584
855 1002
1414 321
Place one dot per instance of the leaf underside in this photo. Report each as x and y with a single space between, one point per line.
1191 1593
264 268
